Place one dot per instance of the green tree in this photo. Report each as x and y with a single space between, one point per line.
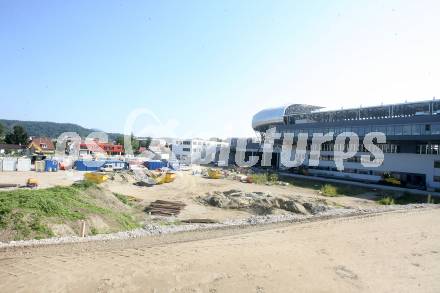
2 132
146 143
17 136
120 140
134 142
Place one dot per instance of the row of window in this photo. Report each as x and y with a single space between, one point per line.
405 129
330 147
379 112
188 142
428 149
349 170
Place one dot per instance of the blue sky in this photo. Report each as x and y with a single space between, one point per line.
205 67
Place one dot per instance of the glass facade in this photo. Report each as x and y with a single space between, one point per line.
392 130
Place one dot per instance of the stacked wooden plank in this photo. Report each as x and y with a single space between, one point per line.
200 221
165 208
7 185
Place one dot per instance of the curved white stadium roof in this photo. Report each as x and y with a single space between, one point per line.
276 115
268 116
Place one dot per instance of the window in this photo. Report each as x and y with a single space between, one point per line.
382 129
367 129
436 178
437 164
435 129
427 128
43 145
390 130
416 129
407 130
186 142
186 149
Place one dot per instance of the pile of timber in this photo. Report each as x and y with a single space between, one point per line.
200 221
165 208
7 185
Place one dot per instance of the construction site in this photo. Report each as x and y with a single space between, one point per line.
219 146
106 206
170 205
209 221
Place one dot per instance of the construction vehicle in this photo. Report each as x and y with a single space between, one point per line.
170 177
96 177
32 183
215 173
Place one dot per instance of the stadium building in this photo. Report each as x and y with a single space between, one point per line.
411 151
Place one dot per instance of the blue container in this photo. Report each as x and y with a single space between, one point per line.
154 165
50 165
89 165
81 165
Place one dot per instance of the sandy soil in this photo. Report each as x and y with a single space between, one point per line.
45 179
185 188
393 252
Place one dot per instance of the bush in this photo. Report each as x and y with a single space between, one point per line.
263 178
388 200
259 178
272 177
329 190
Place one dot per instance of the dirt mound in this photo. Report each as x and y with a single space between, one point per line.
262 203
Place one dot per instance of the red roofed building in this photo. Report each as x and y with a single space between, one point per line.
41 146
92 147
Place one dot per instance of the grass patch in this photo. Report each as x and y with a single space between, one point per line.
335 188
407 198
169 223
126 199
264 178
387 200
329 190
27 213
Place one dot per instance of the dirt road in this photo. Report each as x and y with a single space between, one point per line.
394 252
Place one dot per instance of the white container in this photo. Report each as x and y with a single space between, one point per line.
23 164
9 164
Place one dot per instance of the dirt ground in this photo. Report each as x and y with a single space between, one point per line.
392 252
185 188
45 179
